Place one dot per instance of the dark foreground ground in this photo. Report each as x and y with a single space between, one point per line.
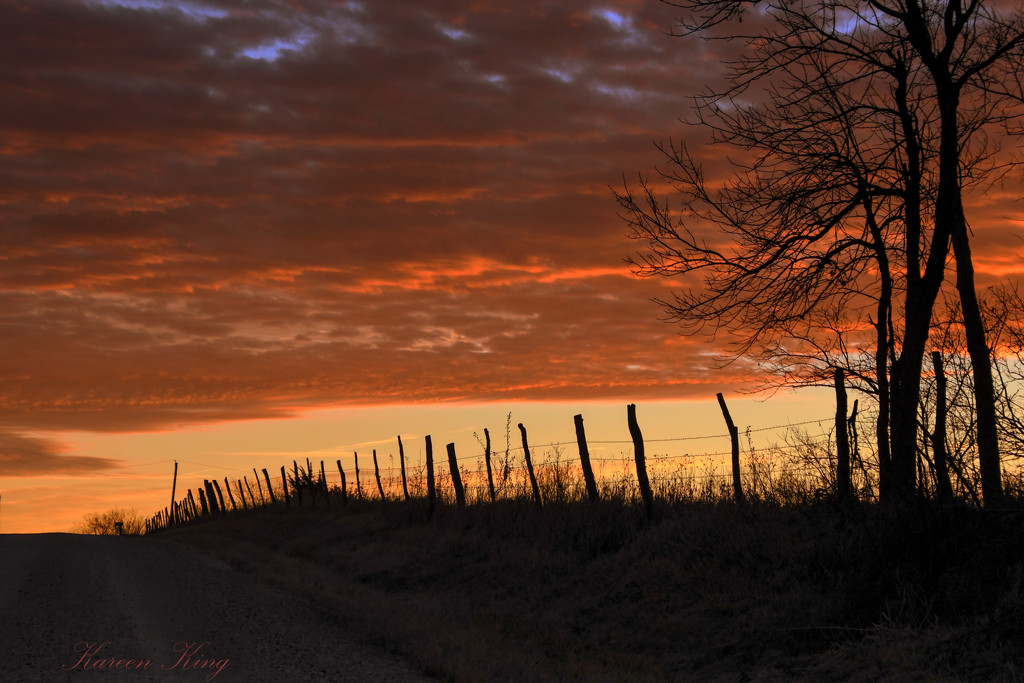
98 608
584 592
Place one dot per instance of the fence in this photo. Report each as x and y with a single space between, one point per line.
514 472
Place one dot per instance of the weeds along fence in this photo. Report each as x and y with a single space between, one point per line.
813 460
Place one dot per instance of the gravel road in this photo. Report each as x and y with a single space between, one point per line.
97 608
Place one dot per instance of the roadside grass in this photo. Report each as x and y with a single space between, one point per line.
105 523
787 588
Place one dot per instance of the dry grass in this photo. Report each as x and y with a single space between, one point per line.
783 589
105 523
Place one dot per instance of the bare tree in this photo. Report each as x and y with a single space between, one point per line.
972 50
867 118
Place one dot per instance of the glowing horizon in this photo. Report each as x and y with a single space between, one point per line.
140 470
234 219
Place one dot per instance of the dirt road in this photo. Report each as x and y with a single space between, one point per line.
107 608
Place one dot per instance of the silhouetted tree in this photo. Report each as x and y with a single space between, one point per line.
860 123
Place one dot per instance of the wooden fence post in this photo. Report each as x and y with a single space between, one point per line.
641 461
263 501
453 465
220 496
943 485
284 480
231 497
734 436
487 460
241 494
174 485
529 467
431 493
376 474
401 464
842 441
298 483
588 471
192 504
270 489
249 488
211 497
359 487
312 485
851 425
344 485
202 499
323 481
218 502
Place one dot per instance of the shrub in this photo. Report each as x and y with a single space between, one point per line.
105 523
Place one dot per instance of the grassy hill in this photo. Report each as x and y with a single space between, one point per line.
708 592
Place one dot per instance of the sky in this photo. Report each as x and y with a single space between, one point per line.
238 233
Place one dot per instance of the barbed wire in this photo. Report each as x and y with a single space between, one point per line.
629 442
816 439
518 451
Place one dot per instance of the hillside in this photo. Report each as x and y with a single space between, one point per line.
579 591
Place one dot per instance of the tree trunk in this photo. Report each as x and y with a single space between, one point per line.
981 364
944 487
842 441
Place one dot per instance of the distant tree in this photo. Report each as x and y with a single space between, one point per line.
859 123
105 523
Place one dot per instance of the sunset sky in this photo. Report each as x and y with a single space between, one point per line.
237 233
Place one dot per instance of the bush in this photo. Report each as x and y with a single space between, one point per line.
105 523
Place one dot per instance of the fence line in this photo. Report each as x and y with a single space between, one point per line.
317 486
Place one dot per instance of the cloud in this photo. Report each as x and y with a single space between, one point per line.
111 362
30 456
214 211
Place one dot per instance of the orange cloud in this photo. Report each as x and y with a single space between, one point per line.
214 215
29 456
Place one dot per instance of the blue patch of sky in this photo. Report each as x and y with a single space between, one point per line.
622 92
622 23
452 32
353 6
346 26
614 19
563 75
343 30
194 10
846 23
342 23
272 51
